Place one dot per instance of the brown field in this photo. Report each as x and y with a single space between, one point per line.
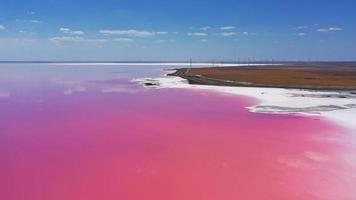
335 77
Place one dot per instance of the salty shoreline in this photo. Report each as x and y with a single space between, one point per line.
335 106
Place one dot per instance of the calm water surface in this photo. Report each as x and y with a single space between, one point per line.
89 133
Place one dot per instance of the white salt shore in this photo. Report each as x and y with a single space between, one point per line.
336 106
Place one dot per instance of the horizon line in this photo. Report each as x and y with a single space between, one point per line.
198 61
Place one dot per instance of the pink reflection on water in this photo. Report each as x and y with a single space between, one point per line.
167 144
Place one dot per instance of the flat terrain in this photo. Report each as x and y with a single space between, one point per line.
328 76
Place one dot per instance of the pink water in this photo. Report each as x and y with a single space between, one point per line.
84 139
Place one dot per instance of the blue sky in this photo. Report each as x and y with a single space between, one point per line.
139 30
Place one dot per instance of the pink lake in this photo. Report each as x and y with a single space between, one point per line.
89 133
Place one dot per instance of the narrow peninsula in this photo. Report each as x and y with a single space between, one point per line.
315 76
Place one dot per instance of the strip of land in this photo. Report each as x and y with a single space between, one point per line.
317 76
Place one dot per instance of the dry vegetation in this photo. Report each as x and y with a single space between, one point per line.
287 76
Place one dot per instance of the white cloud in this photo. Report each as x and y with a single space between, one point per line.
31 12
2 27
68 39
131 33
227 27
164 41
205 28
302 34
227 34
335 29
64 29
331 29
197 34
161 33
122 40
71 32
27 32
203 40
248 33
302 27
35 21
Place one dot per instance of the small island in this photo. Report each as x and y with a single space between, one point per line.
315 76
